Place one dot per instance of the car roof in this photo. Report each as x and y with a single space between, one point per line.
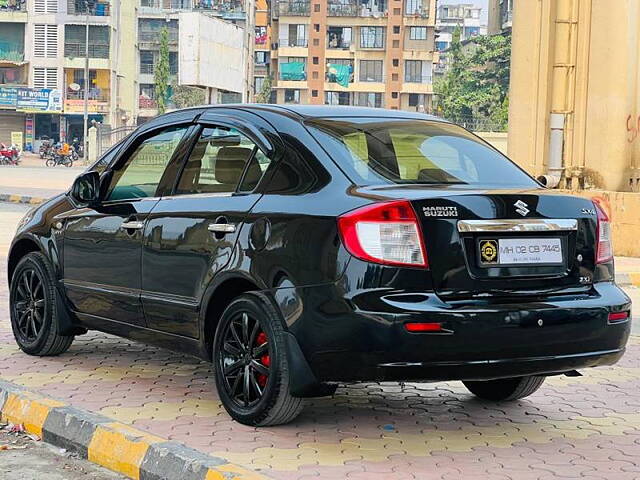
304 112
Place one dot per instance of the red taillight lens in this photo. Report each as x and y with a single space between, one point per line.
423 327
387 233
604 248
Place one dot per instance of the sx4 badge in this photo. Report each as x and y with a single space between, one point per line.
440 211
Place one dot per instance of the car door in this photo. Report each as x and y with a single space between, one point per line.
190 235
103 243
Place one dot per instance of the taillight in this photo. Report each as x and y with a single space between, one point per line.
386 233
604 248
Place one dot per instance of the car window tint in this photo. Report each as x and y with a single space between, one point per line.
218 161
413 151
140 175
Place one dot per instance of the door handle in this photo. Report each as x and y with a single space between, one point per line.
132 225
222 227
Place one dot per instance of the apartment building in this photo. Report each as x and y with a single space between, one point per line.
500 16
465 16
42 58
376 53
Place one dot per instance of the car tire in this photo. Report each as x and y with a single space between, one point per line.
505 389
33 311
250 363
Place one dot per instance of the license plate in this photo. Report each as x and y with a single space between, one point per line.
520 251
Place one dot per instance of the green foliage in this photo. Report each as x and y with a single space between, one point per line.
184 96
161 72
476 86
264 95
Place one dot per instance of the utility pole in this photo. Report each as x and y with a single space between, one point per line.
86 81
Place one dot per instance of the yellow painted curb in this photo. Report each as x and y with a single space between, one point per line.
120 448
29 410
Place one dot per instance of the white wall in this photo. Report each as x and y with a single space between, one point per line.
211 53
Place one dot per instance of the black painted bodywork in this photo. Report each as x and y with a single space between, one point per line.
344 316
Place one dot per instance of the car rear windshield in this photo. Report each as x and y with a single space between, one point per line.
377 152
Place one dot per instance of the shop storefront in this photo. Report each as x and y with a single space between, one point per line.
33 111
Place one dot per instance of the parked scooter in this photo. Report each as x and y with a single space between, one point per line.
45 147
11 155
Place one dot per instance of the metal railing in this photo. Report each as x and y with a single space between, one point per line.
80 7
166 4
296 42
95 95
371 78
294 7
338 9
153 36
418 79
76 50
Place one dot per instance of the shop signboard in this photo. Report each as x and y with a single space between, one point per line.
8 97
39 100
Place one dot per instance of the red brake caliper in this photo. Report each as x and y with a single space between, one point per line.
265 360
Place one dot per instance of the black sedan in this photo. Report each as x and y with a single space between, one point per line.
300 247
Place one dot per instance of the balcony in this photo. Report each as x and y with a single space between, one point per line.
231 10
418 79
76 50
416 8
159 5
348 8
98 101
342 9
299 8
153 36
11 52
150 68
147 103
82 7
13 11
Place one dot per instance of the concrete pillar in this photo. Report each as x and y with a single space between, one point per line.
92 153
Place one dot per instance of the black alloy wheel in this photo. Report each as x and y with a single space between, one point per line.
29 305
251 364
33 308
245 360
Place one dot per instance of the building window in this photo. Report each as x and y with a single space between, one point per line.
45 43
364 99
415 7
417 33
316 60
417 71
339 37
45 77
293 35
394 94
337 98
291 95
314 93
416 100
74 38
316 27
262 58
147 62
372 37
395 62
316 7
258 82
396 29
293 68
371 71
396 44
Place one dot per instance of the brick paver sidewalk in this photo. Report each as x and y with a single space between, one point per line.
586 427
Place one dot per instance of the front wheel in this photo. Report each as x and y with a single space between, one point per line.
32 303
50 162
505 389
250 362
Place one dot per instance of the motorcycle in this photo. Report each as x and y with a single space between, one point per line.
12 154
60 156
78 148
45 148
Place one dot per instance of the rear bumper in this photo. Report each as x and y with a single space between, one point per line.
362 337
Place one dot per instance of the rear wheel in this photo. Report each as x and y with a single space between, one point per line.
505 389
250 361
33 308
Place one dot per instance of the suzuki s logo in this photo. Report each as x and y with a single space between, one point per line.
521 208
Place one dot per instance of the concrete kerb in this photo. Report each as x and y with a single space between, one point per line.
116 446
26 199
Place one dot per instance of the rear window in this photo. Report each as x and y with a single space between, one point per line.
374 152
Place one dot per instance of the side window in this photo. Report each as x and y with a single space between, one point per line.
140 175
218 162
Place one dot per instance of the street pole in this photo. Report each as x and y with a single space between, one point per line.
86 82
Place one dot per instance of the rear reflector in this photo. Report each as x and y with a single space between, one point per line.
618 316
387 233
423 327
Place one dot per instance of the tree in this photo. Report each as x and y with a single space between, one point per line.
161 72
184 96
264 96
475 89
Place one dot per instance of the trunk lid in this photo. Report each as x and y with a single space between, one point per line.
534 255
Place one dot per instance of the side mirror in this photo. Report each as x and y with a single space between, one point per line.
86 188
